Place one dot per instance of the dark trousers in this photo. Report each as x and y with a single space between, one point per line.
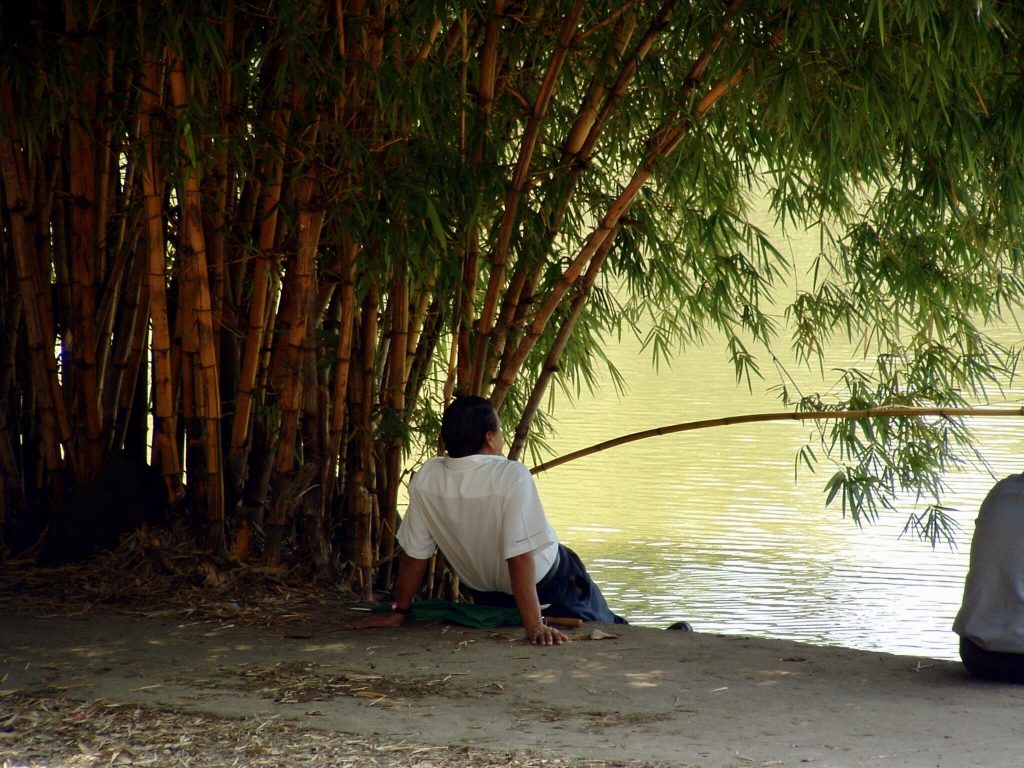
992 665
568 589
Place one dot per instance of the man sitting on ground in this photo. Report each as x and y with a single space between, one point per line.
991 619
484 513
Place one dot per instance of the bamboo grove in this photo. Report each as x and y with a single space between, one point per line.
259 245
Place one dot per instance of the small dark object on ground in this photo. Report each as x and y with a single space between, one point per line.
682 626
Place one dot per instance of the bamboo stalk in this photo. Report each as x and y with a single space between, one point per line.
121 374
105 172
626 74
289 495
39 323
461 362
663 143
262 278
428 43
84 267
165 446
614 16
517 190
12 491
426 303
586 116
866 413
508 372
216 215
362 485
287 363
489 60
554 355
423 354
510 307
593 116
466 372
315 541
424 323
127 407
10 321
518 320
243 219
395 401
591 119
115 290
200 327
346 327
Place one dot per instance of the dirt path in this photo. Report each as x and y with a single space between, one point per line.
478 697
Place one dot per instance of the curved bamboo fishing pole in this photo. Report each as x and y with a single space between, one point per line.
775 416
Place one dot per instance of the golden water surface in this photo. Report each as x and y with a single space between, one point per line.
711 526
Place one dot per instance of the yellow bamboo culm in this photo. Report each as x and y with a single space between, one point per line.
687 426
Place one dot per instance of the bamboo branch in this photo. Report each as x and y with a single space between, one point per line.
867 413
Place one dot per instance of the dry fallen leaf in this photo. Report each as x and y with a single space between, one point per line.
103 735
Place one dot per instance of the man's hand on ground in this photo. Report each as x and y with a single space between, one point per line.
376 620
541 634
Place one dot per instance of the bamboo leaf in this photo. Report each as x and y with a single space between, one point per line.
435 224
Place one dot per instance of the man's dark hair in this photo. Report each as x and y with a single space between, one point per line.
465 425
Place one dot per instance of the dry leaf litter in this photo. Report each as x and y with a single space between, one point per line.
162 573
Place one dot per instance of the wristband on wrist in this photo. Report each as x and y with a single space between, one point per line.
401 611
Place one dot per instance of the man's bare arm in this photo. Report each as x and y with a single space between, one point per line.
524 589
407 583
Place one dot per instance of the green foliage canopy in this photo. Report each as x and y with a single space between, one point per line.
493 189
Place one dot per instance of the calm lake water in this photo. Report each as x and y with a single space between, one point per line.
711 526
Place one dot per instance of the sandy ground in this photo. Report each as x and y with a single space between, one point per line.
615 695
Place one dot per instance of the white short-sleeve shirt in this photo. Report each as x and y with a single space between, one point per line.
992 613
479 510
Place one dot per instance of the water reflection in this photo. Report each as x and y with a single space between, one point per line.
713 526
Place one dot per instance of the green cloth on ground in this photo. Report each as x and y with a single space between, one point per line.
479 616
